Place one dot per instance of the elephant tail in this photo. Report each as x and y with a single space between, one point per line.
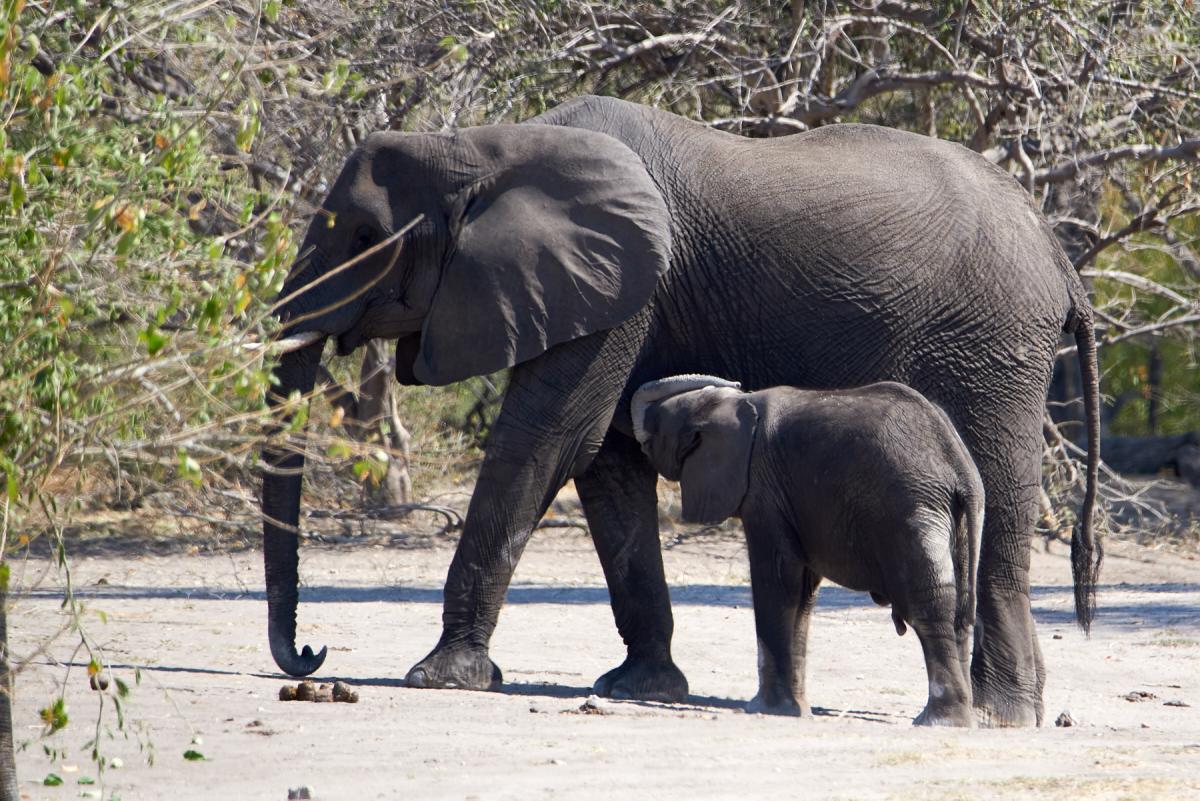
1087 552
968 533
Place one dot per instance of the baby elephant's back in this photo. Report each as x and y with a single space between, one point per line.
870 452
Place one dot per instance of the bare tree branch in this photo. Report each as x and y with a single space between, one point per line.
1187 150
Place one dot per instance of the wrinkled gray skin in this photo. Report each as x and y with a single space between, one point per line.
870 487
606 244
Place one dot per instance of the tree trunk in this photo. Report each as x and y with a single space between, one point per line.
379 414
1065 397
8 768
372 415
1154 379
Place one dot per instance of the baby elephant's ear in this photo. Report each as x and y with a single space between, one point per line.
717 472
565 235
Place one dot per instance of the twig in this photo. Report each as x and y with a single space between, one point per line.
454 519
563 522
1152 328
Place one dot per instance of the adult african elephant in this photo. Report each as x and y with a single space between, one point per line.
605 244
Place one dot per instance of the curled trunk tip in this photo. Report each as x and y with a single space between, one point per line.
303 663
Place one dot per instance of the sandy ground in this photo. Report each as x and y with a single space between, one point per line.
196 627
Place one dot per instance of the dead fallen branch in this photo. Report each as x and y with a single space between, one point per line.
454 519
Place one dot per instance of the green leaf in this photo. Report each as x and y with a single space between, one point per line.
154 339
300 416
52 780
192 755
55 716
189 469
336 78
211 312
125 244
85 780
243 300
246 132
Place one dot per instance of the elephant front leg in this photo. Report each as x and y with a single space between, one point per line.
785 592
555 412
619 495
491 543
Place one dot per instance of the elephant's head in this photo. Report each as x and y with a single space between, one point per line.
526 236
698 430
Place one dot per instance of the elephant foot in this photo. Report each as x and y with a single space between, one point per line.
759 705
1004 714
644 680
955 715
455 668
1007 676
1002 707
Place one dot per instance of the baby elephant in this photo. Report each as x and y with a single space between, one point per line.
870 487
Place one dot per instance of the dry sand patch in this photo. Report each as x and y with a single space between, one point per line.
196 626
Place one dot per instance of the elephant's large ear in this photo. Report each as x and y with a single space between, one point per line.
716 473
566 235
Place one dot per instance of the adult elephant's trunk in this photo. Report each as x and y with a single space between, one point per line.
281 516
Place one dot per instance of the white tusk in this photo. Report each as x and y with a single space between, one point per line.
287 344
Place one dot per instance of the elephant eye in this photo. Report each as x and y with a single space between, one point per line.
364 237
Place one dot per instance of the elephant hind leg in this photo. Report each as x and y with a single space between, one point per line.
930 606
1007 671
620 501
999 418
949 702
806 592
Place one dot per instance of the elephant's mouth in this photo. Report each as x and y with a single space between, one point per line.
383 321
407 349
348 342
